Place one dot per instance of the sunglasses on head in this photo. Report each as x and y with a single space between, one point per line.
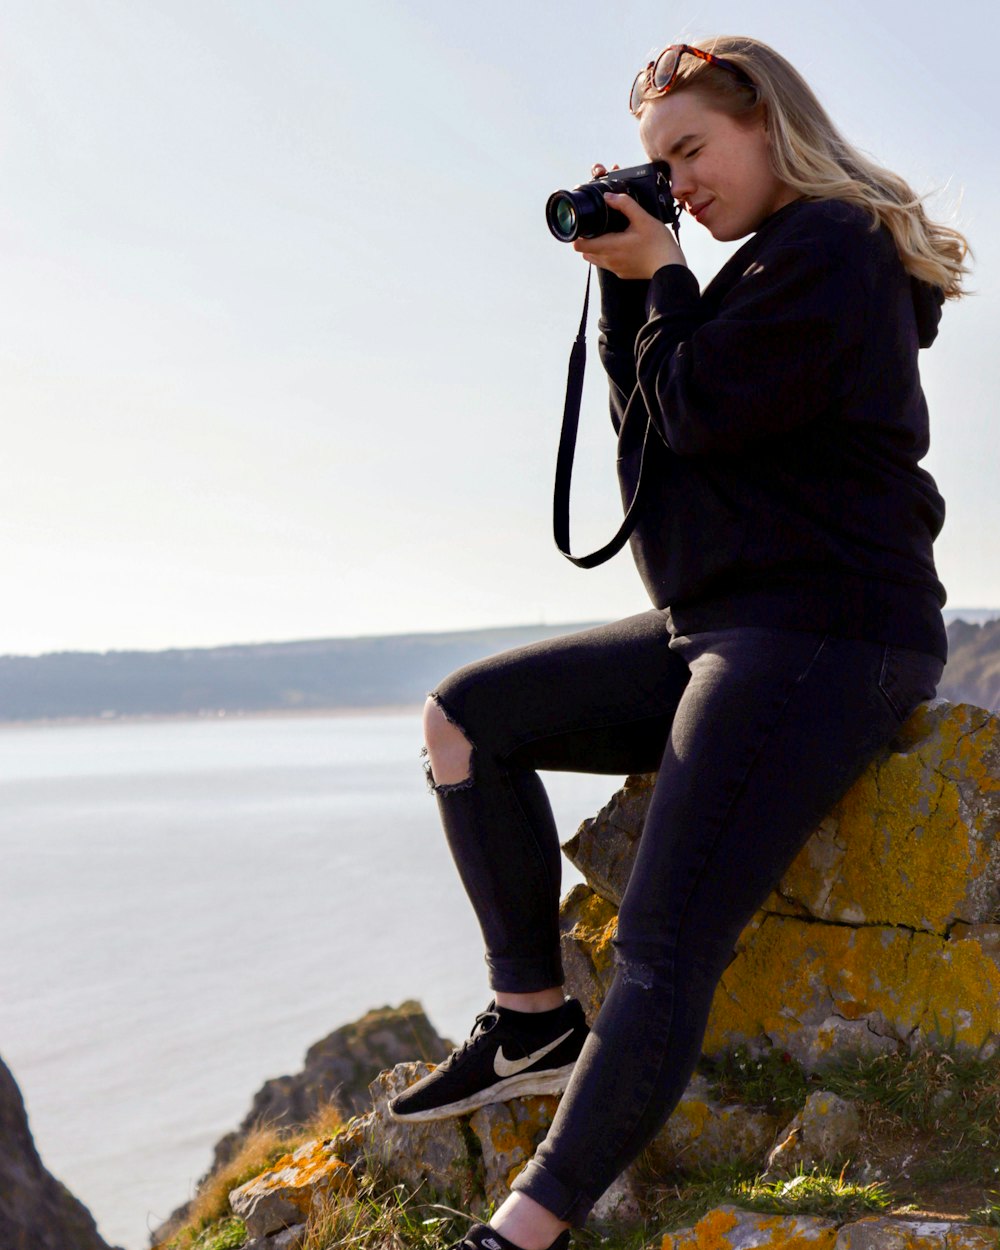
658 76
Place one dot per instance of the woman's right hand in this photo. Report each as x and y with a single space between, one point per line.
636 252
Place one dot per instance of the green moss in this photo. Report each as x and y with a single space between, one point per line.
225 1234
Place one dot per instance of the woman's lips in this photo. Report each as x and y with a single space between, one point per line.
698 210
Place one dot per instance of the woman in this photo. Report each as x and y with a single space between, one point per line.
785 540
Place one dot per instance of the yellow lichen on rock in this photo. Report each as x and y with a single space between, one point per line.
702 1133
799 985
710 1230
729 1228
880 1232
587 923
509 1134
904 846
286 1193
594 928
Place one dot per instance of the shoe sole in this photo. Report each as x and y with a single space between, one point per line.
553 1081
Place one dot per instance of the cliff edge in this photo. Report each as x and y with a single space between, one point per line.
37 1212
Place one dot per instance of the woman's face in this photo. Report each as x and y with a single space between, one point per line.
719 166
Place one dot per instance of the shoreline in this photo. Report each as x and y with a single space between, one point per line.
210 715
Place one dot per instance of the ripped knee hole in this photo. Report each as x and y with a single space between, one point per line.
448 753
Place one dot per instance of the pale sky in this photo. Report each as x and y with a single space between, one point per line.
284 335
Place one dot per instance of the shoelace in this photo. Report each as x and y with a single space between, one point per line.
479 1030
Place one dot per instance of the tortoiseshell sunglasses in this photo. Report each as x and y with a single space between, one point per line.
658 76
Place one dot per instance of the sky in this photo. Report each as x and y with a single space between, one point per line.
283 335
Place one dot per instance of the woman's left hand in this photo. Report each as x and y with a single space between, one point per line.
637 252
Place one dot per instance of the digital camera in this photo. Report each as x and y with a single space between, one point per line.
583 214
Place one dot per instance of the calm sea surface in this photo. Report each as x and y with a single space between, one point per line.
186 906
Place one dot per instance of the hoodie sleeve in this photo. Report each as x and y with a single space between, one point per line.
623 313
777 352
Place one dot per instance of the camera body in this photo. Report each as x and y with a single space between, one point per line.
583 214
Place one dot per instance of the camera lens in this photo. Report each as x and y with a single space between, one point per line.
578 214
562 219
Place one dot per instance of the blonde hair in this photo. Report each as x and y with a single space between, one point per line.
810 155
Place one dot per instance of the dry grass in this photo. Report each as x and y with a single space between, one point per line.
260 1150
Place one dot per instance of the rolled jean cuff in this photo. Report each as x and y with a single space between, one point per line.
564 1203
525 976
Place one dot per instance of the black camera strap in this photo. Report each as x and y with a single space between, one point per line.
567 449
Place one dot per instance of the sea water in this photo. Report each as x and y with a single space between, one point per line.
187 905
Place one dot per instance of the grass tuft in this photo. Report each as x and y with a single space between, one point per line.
988 1214
805 1193
773 1081
947 1099
815 1193
382 1217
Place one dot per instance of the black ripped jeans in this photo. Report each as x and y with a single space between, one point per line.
755 733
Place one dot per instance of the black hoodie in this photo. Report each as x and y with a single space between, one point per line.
783 485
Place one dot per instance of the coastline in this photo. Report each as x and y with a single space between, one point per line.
131 718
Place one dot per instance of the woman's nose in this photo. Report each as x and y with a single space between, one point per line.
682 190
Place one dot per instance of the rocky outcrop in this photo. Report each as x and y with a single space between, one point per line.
972 673
883 932
37 1212
338 1071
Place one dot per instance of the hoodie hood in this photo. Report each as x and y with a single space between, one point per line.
927 302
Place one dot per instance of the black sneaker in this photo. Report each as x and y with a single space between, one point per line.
482 1237
509 1054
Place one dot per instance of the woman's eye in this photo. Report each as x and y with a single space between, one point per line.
693 152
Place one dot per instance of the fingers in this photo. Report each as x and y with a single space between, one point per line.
625 205
599 170
636 252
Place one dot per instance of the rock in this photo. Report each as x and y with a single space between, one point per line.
812 989
621 1204
702 1133
823 1134
339 1069
879 1232
587 925
285 1194
37 1212
730 1228
293 1238
928 813
603 848
840 956
440 1157
509 1133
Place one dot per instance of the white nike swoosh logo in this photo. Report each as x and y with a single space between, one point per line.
508 1067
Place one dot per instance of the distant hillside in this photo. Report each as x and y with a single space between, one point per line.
336 673
331 673
972 674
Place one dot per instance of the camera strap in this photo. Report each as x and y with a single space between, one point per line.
567 449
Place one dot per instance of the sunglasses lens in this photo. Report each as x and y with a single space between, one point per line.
638 87
664 69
